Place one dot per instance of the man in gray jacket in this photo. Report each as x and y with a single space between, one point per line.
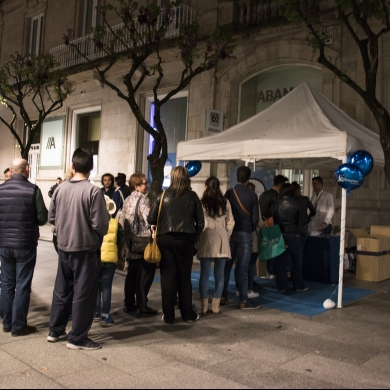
78 211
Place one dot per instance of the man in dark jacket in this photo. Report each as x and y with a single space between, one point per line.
266 200
53 188
246 216
22 210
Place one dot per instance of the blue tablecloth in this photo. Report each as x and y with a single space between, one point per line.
321 259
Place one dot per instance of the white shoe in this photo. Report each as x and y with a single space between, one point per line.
252 294
237 293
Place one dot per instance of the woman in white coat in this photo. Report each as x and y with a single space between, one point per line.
213 243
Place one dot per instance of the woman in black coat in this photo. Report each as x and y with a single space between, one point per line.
180 224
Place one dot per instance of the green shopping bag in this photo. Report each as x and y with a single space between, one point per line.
271 243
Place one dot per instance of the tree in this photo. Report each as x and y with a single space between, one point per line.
366 21
141 42
30 81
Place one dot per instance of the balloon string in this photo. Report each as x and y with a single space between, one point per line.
341 259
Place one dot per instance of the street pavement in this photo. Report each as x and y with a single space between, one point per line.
266 348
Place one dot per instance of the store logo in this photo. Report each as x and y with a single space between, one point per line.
270 96
51 143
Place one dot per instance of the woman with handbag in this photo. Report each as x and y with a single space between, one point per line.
140 274
179 223
286 213
213 243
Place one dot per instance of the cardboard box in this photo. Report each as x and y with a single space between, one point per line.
373 260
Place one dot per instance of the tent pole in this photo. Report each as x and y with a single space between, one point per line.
342 243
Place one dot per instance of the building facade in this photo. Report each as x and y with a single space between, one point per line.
271 58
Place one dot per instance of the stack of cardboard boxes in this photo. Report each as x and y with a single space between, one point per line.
373 261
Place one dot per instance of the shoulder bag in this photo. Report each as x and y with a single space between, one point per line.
138 244
239 202
152 252
271 243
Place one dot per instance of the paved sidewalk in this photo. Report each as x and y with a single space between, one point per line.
267 348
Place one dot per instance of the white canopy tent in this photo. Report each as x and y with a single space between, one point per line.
301 130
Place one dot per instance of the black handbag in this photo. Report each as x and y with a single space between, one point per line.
138 244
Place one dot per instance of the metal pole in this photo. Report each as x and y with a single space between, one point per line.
342 243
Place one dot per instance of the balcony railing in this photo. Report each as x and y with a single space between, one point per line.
67 56
257 12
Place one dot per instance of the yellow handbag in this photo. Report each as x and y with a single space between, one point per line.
152 252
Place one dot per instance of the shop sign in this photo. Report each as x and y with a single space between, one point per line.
52 144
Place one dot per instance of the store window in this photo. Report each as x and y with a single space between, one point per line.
174 119
36 34
262 90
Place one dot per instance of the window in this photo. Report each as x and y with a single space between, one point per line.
36 34
91 15
262 90
86 132
174 119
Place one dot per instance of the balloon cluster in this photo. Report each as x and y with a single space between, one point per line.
193 167
351 175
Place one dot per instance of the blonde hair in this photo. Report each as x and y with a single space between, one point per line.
68 174
180 181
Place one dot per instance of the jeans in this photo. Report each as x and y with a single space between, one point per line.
16 275
251 270
205 270
75 292
103 302
241 250
294 254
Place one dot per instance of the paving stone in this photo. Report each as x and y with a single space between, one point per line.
29 379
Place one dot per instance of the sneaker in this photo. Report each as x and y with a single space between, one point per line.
196 319
87 344
249 305
252 294
107 321
302 289
97 317
54 337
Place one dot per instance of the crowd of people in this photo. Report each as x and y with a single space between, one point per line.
95 228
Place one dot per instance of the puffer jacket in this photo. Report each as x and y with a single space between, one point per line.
178 215
109 249
287 214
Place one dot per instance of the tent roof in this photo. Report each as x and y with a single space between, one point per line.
301 125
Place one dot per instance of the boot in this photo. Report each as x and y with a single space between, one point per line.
204 305
215 305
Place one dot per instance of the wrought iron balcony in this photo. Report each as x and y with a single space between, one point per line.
258 12
67 56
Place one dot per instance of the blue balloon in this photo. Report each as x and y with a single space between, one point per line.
193 167
349 176
363 160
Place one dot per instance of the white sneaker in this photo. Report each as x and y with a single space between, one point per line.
252 294
237 293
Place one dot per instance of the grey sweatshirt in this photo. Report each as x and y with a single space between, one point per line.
78 211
